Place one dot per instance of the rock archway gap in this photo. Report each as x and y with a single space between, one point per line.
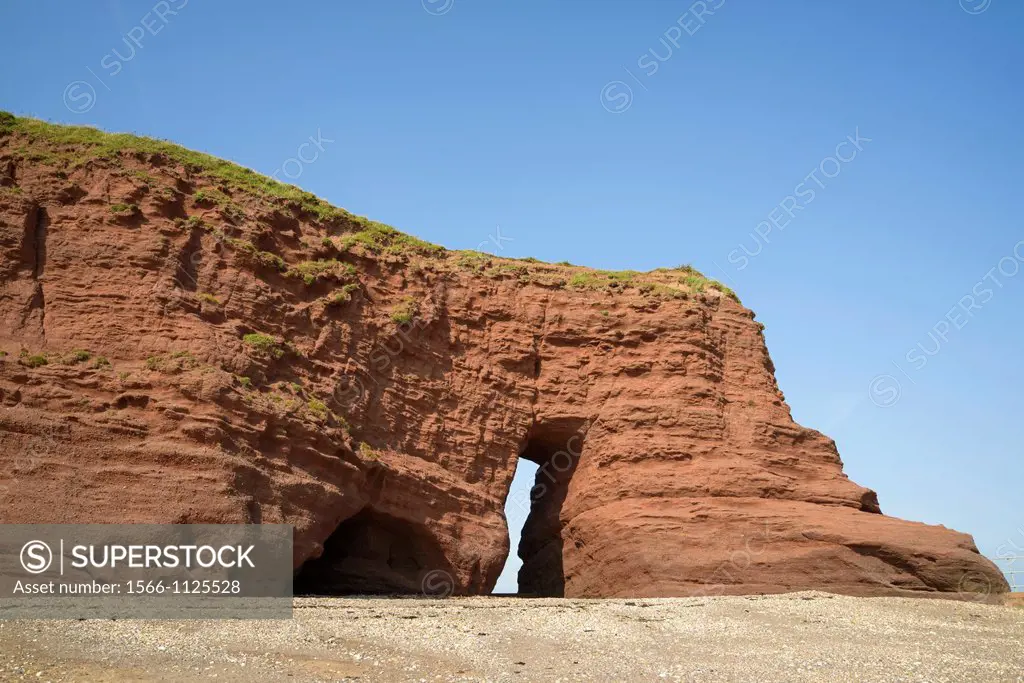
517 509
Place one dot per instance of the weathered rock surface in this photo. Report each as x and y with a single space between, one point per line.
670 463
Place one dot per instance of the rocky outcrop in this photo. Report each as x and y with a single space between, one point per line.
187 342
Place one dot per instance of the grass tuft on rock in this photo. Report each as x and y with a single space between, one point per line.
312 271
172 363
264 345
404 311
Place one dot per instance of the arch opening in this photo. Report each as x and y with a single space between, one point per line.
556 448
517 508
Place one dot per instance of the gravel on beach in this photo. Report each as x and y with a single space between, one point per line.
793 637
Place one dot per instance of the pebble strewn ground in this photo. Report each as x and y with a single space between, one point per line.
795 637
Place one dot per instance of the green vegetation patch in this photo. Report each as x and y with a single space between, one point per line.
513 270
172 363
696 282
124 210
343 295
379 238
75 357
214 197
473 260
715 284
210 196
82 143
208 298
404 311
33 360
141 176
603 279
252 256
318 408
660 291
8 122
311 271
195 223
264 345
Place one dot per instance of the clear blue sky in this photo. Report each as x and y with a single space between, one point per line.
451 117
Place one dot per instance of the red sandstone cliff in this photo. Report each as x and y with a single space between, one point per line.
186 342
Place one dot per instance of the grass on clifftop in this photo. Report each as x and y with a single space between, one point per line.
92 143
71 147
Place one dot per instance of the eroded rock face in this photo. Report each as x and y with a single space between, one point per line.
670 464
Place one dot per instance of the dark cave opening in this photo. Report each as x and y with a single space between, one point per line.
372 554
556 448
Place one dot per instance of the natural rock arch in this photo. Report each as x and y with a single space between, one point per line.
694 477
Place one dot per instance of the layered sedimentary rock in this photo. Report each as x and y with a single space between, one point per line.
186 342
